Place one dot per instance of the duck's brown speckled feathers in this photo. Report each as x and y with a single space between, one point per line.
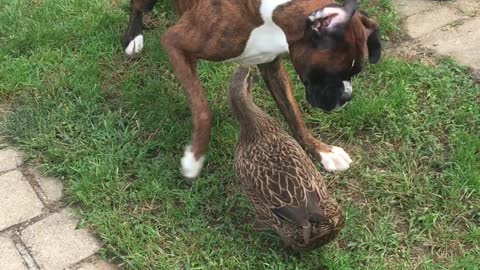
283 185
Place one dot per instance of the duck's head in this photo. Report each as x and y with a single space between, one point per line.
241 82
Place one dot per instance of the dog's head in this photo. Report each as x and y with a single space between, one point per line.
336 41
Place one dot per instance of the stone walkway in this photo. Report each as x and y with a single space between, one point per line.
36 230
451 28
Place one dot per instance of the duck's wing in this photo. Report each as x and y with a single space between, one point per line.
301 215
285 179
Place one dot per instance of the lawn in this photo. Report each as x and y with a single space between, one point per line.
114 130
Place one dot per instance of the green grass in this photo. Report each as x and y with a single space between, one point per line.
115 130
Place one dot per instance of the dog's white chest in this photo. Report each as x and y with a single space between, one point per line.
267 41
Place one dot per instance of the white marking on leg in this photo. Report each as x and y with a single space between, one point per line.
335 160
191 167
267 41
135 46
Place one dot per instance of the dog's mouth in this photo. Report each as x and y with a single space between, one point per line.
326 100
317 104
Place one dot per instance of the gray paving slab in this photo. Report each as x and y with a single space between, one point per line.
18 201
96 264
451 28
10 258
407 8
51 186
9 159
55 243
426 22
461 42
469 7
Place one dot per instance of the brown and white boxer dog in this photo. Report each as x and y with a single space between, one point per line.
327 44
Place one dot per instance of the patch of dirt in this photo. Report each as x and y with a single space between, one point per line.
4 108
475 74
410 50
114 3
110 84
151 21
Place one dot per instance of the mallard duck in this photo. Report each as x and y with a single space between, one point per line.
285 189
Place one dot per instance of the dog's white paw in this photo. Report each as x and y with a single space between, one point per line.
191 167
335 160
135 46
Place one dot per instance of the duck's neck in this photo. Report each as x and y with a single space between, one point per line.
253 121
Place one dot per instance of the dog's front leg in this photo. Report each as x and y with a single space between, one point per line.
132 40
184 69
275 76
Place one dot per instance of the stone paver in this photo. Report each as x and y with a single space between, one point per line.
18 201
56 244
51 187
451 28
97 264
461 42
10 258
50 241
469 7
9 159
424 23
408 8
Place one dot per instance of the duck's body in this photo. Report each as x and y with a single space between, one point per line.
286 190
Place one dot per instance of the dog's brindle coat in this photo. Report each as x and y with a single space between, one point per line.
327 44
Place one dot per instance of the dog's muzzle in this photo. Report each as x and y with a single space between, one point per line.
345 97
329 98
347 93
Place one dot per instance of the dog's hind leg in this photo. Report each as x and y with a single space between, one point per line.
132 40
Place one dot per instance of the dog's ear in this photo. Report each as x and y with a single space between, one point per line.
327 24
373 40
